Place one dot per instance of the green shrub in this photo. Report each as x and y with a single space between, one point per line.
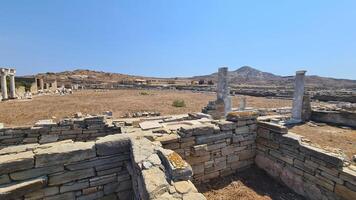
178 103
144 93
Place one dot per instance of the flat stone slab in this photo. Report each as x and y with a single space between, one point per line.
20 189
147 125
16 162
63 153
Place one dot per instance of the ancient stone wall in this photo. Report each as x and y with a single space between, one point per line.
120 166
308 170
65 170
217 148
77 129
342 118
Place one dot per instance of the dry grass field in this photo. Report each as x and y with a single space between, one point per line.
27 112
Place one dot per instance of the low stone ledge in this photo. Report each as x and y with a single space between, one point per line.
14 191
241 115
15 162
64 153
276 128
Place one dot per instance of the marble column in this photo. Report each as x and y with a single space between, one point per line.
223 92
41 84
299 83
242 105
3 87
12 86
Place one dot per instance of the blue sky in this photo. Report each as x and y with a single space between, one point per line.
170 38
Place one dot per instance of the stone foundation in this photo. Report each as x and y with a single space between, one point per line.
45 131
309 171
164 162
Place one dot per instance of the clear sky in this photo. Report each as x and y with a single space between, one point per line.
169 38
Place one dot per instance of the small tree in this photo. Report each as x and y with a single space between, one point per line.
210 82
201 82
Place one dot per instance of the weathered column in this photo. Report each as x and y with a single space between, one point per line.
242 103
12 86
223 92
41 84
3 86
298 96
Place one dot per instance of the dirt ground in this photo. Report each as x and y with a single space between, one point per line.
250 184
27 112
329 137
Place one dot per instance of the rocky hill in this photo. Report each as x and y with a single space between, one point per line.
250 76
242 76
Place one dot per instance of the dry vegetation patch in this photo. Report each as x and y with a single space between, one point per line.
16 113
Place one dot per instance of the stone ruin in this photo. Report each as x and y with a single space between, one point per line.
102 158
222 105
164 157
5 72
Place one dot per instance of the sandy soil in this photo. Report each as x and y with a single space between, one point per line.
15 113
18 113
251 184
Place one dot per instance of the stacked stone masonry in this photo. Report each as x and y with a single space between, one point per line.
310 171
77 129
164 162
115 167
215 149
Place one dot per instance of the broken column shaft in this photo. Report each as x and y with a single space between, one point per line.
298 96
12 87
3 86
223 92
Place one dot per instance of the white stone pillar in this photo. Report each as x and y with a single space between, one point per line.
41 84
223 91
12 86
3 87
298 96
242 103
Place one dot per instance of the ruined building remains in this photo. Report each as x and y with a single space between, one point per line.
222 105
4 72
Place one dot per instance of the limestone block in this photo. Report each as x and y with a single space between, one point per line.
226 125
112 144
31 173
40 194
184 187
73 186
71 176
98 162
322 155
16 162
241 115
48 139
63 196
212 138
64 153
155 182
17 190
212 147
278 129
102 180
242 130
